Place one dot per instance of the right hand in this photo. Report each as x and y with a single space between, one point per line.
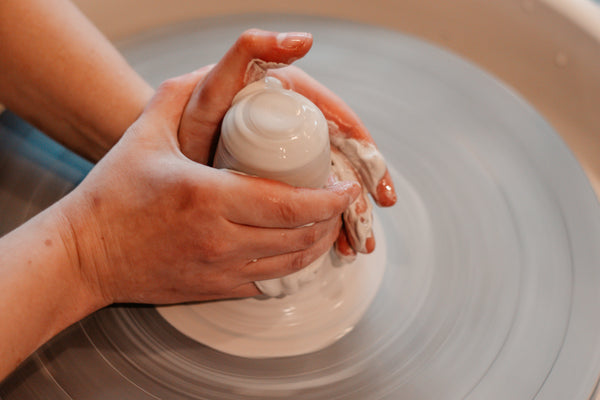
150 225
257 53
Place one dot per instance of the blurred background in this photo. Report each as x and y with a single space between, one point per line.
547 50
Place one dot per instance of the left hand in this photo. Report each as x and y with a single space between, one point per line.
257 53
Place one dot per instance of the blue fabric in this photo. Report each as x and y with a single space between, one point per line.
20 137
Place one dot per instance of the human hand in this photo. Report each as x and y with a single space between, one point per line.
150 225
354 154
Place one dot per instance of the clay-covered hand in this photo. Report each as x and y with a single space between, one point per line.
354 157
253 53
150 225
354 154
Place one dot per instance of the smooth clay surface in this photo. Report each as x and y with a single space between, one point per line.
322 312
278 134
275 133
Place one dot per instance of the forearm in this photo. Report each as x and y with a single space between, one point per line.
41 289
60 73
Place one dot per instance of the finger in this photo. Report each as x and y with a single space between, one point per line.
343 249
244 290
385 192
285 264
358 217
345 127
247 200
370 165
252 54
166 106
268 242
334 109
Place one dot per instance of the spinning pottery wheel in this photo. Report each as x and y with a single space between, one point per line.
491 282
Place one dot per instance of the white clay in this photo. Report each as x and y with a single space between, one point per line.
257 69
279 134
307 321
365 157
292 283
358 225
275 133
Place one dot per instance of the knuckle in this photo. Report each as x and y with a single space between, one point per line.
251 34
247 39
216 249
210 251
183 194
216 246
309 237
171 84
287 213
298 261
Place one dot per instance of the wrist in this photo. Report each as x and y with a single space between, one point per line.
77 233
41 289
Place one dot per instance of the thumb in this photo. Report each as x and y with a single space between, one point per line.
168 103
252 54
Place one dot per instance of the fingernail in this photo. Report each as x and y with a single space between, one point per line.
386 196
370 243
292 40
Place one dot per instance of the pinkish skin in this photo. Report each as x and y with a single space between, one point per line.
358 218
339 114
345 127
198 131
254 55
